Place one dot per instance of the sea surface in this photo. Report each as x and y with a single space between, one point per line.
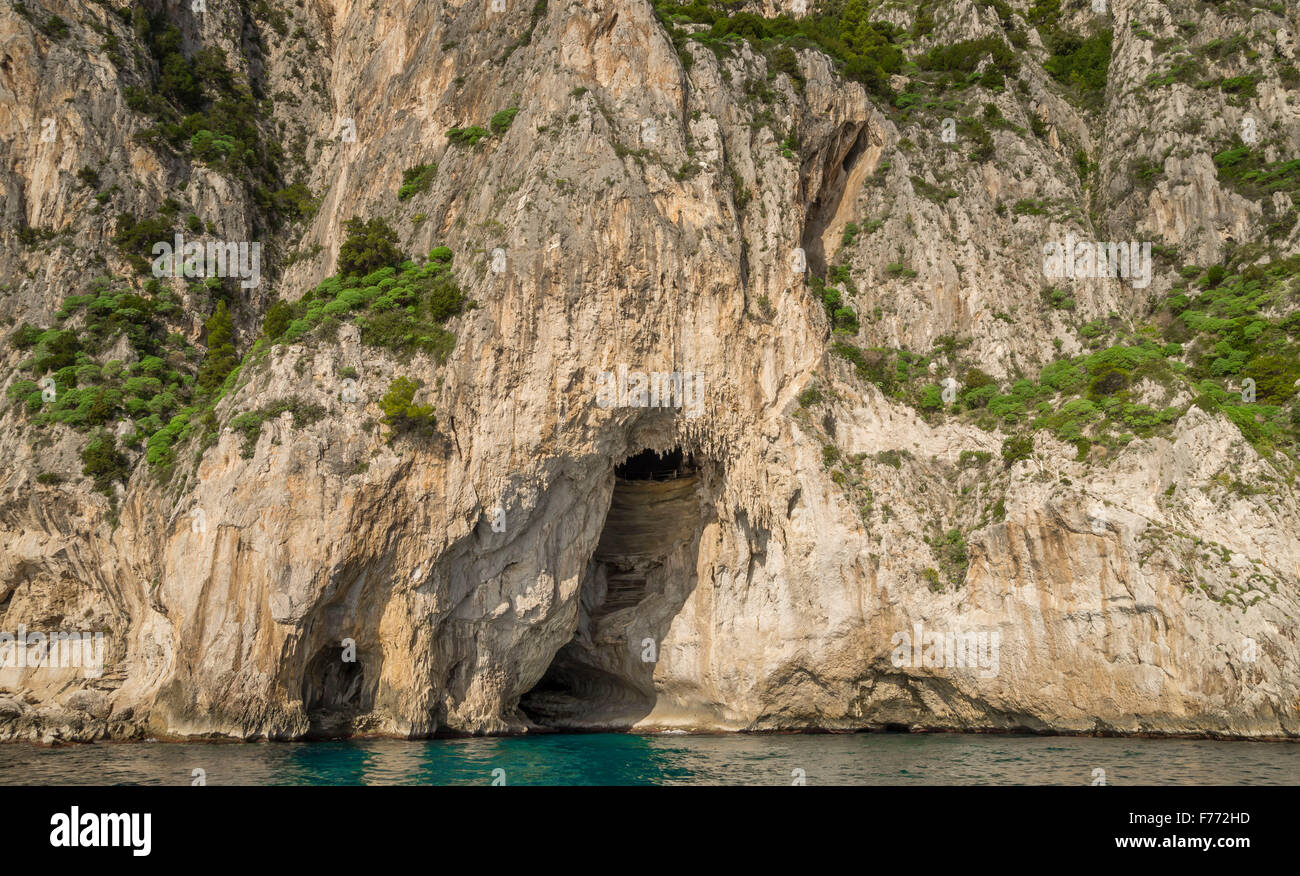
625 759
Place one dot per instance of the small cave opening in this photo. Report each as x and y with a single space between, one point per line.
855 151
641 573
333 692
650 465
837 168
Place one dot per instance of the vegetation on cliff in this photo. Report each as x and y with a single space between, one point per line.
1213 332
113 354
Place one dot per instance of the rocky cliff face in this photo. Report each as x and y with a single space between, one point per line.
895 433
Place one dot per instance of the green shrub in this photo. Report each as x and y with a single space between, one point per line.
249 424
1016 448
953 558
467 136
1082 63
104 462
401 414
135 239
25 337
501 121
866 50
277 319
55 28
416 180
931 398
368 246
295 201
964 57
221 357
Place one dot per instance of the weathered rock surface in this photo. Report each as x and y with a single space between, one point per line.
1125 592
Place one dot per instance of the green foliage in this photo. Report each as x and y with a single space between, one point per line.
159 452
104 462
203 110
88 395
1240 334
416 180
55 28
961 59
539 9
25 337
501 121
400 308
1243 85
170 389
1145 171
1016 448
953 559
401 414
295 201
249 425
277 319
891 458
467 136
370 245
867 51
1244 170
973 458
810 397
1058 298
889 369
830 455
222 356
843 318
1081 63
784 60
135 239
931 398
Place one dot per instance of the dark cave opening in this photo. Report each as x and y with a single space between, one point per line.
640 574
333 691
835 175
650 465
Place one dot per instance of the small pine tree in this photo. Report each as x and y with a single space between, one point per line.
369 246
222 356
276 323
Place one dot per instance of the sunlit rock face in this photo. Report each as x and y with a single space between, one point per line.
732 557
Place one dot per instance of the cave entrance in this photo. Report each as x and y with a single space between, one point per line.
642 571
838 174
333 692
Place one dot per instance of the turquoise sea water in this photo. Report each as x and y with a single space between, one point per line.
624 759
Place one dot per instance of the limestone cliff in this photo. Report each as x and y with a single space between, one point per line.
901 421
